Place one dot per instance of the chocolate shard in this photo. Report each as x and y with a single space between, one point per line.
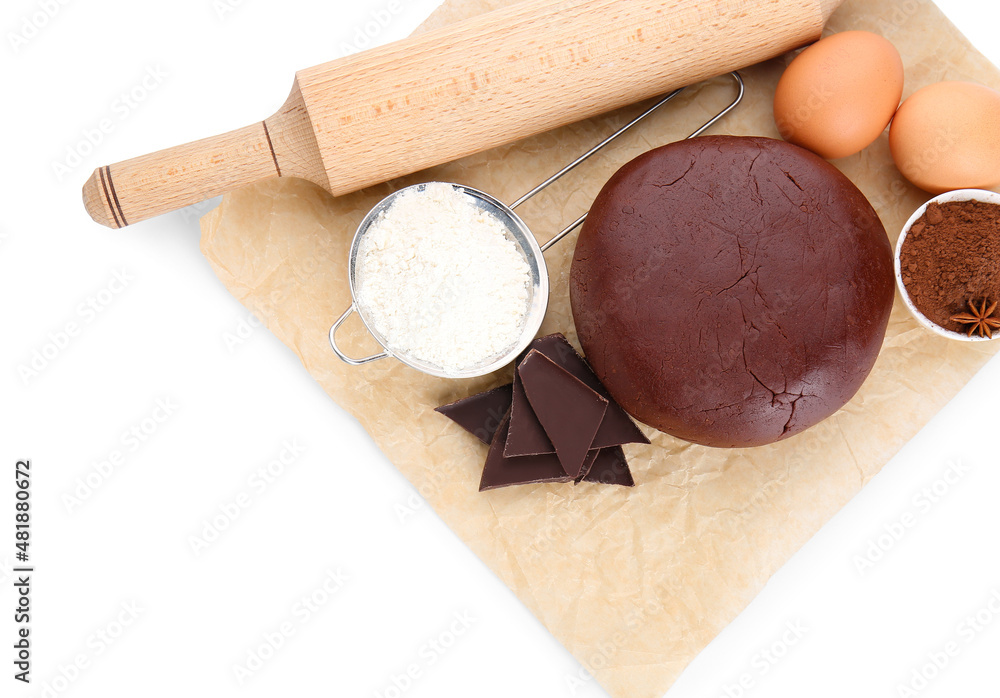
610 468
588 464
490 415
502 472
526 436
480 414
617 428
569 411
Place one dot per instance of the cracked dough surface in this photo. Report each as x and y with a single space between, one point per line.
732 291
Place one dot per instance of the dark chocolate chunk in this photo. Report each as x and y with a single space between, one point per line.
490 416
588 463
480 414
617 428
526 434
501 472
610 468
526 437
569 411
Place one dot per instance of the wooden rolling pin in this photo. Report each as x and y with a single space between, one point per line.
468 87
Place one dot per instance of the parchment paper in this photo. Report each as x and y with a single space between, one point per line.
654 572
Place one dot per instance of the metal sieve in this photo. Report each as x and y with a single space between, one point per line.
516 231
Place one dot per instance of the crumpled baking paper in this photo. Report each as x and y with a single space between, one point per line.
657 571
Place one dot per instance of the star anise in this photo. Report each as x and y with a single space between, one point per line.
979 319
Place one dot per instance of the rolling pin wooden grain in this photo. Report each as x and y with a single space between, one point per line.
468 87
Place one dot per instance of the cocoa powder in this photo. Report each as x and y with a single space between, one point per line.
951 256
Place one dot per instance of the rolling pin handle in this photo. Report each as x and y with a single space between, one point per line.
134 190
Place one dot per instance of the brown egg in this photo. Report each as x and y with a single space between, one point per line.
947 136
839 94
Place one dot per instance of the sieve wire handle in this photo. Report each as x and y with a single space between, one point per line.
614 136
344 357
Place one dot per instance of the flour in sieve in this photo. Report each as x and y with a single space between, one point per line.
440 280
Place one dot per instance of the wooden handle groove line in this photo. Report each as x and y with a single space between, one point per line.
107 197
118 205
267 135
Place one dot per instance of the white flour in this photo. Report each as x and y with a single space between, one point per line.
439 279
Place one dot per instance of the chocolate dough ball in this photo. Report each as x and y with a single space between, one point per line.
731 291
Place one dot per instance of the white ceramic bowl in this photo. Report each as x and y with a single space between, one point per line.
957 195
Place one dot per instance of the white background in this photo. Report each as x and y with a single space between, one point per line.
337 505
